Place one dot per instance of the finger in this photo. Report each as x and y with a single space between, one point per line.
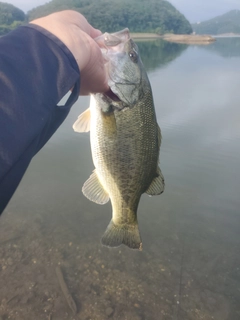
95 33
95 81
74 17
93 76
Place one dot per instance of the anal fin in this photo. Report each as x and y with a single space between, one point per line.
94 191
157 185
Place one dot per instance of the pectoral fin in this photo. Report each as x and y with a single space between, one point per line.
83 122
94 191
157 185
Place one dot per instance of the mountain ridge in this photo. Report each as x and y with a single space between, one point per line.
226 23
156 16
10 17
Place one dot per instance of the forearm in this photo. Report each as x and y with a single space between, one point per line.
36 71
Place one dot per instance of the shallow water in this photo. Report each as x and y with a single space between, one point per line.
190 264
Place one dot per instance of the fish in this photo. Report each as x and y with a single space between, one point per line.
125 140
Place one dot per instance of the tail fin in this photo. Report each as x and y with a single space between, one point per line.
117 234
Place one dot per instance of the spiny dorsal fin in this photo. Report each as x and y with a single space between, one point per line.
157 185
82 124
94 191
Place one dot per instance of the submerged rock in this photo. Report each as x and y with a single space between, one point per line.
109 311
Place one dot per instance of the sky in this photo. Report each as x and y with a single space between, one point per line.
194 10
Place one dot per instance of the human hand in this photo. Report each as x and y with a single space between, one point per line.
78 35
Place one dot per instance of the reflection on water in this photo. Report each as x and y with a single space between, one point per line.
156 54
189 266
226 47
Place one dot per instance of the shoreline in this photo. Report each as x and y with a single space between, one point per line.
189 38
227 35
179 38
144 35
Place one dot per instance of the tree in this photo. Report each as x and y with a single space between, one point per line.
113 15
10 13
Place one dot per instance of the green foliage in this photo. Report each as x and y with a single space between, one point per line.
227 23
10 17
156 16
9 14
112 15
7 28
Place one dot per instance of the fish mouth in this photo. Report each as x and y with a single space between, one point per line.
114 102
111 95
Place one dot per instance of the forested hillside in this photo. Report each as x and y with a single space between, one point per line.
227 23
10 17
112 15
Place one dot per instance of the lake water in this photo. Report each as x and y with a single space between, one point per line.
189 268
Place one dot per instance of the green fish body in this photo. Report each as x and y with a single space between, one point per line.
125 143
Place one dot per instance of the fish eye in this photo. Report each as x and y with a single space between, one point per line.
133 56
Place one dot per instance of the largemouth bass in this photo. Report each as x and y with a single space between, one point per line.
125 140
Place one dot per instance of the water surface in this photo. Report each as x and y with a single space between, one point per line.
190 264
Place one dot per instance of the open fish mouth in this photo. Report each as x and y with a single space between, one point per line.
120 55
113 101
118 102
111 95
114 43
111 41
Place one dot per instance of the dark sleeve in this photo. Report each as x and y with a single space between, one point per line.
36 71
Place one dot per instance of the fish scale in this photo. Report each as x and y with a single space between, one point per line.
133 173
125 142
